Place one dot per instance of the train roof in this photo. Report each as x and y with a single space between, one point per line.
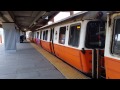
87 15
69 17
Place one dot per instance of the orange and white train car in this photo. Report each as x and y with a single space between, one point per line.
34 37
74 40
75 44
37 39
112 46
45 39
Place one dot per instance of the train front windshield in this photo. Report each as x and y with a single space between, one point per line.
95 34
116 37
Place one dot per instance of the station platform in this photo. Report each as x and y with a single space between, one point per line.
30 61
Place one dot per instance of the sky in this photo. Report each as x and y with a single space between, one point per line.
62 15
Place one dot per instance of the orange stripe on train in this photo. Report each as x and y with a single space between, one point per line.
112 68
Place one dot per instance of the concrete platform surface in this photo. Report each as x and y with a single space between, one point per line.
26 63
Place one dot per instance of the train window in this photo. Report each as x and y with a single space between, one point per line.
40 34
95 34
43 35
116 38
37 34
46 35
74 35
62 35
51 35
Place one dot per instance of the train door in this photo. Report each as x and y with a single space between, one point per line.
112 47
37 38
40 37
95 43
52 40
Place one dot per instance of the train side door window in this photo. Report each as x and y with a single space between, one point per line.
74 35
46 35
53 34
116 38
37 34
40 34
62 35
43 35
95 34
50 34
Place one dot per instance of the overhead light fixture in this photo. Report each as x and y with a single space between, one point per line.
25 29
46 18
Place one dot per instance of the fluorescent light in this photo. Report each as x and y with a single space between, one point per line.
25 29
46 17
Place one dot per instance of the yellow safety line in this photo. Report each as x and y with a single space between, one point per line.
65 69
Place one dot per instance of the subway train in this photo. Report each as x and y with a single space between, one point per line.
89 41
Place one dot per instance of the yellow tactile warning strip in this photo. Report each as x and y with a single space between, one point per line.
65 69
